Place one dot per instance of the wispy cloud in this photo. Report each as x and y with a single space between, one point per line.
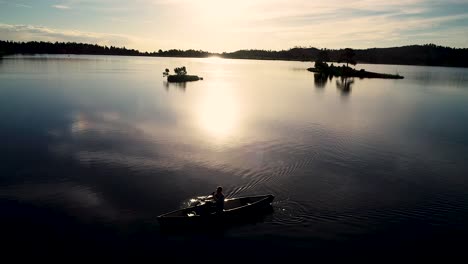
19 5
356 24
61 6
272 24
23 6
30 32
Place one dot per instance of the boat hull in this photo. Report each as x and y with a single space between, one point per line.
194 216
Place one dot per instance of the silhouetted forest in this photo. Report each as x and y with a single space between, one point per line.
298 54
429 54
183 53
35 47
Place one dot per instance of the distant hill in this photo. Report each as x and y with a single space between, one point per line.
429 54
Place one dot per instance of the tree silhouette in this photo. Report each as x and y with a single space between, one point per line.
180 70
347 56
322 56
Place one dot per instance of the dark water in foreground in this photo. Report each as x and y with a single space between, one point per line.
93 148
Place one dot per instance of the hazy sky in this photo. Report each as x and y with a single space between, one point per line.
218 25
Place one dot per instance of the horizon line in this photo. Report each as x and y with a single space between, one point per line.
243 49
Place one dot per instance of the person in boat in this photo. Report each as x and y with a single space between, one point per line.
219 199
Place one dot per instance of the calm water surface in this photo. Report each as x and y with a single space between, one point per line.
93 148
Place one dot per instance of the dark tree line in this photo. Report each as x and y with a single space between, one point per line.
183 53
298 54
36 47
429 54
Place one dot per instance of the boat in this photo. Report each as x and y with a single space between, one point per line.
235 209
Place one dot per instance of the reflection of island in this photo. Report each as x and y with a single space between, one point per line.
179 85
344 84
320 80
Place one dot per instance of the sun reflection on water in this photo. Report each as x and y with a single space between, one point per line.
218 112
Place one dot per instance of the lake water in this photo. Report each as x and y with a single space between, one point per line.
93 148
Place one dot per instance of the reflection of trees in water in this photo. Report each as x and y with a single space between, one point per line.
320 80
344 84
179 85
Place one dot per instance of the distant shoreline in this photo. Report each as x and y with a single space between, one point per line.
417 55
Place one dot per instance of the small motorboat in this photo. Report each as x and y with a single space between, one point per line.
235 209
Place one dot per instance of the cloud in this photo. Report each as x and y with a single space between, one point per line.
268 24
40 33
61 6
358 24
15 4
23 6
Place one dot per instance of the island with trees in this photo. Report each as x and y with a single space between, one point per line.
180 75
322 68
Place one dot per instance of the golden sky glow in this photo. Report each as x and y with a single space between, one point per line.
219 26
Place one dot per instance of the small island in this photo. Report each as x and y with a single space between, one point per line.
323 68
180 75
346 71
